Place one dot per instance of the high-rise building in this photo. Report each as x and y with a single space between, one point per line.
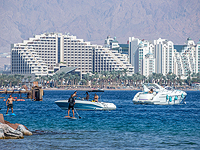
148 64
164 53
198 55
186 59
166 57
133 47
138 50
46 53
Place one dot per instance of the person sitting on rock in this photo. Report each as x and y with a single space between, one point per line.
9 103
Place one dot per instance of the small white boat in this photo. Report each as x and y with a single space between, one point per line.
87 105
159 96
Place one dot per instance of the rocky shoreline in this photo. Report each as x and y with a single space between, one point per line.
12 131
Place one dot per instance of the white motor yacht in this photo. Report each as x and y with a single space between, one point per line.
82 104
155 94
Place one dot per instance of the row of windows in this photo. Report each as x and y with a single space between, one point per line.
80 59
79 52
44 45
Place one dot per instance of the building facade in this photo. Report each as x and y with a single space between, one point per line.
47 53
198 55
165 57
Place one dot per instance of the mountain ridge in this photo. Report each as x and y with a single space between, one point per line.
93 20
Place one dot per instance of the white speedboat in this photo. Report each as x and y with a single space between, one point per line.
82 104
159 96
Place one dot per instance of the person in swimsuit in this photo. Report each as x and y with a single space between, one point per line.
87 96
96 97
9 103
151 91
74 94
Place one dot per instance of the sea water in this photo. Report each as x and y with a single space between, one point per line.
130 126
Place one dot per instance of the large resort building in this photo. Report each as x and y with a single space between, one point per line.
47 53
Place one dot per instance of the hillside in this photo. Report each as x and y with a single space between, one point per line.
93 20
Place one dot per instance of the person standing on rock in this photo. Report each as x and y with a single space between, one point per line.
9 104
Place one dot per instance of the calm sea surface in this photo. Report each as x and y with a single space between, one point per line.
128 127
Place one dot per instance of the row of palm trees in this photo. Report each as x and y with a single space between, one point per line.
105 79
14 80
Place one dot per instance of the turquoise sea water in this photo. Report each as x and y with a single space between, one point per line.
128 127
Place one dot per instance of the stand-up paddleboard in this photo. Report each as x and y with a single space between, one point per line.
68 117
12 114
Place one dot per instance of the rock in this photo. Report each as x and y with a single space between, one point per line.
2 136
2 119
10 130
22 129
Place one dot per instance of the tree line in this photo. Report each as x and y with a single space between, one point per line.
105 79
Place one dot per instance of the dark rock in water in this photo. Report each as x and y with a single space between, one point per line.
12 131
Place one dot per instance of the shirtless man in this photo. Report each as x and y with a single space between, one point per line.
9 103
74 94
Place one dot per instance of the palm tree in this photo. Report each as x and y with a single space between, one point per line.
165 79
43 78
86 77
61 77
188 78
49 80
10 80
84 82
124 71
29 80
55 80
160 76
173 77
188 73
96 76
3 79
154 77
179 81
77 79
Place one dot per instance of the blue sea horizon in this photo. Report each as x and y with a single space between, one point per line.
128 127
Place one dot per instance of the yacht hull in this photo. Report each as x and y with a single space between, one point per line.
86 105
160 97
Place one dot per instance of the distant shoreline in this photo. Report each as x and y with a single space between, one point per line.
87 89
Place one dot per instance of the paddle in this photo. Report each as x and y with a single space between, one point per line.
77 113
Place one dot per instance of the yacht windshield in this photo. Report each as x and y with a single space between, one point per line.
168 88
153 86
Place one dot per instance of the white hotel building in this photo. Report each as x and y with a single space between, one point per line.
164 58
47 53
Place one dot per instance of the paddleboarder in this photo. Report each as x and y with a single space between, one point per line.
71 102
